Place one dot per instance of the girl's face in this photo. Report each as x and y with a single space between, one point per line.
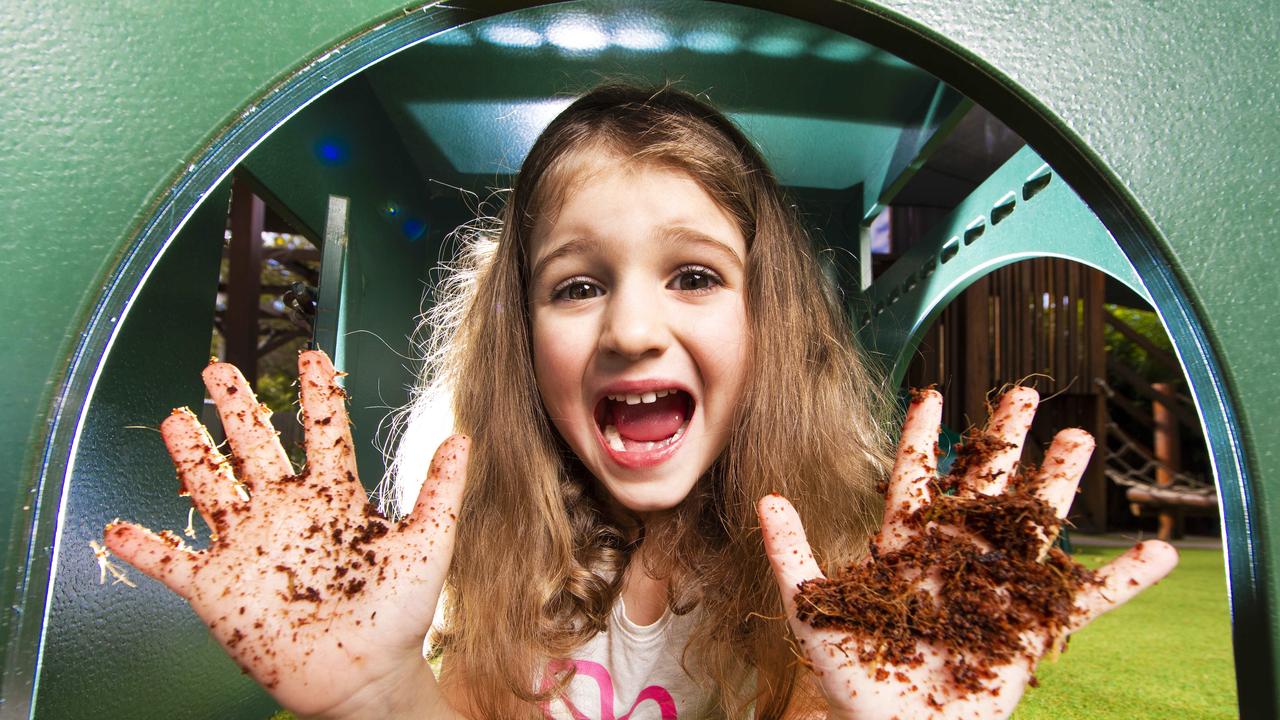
637 299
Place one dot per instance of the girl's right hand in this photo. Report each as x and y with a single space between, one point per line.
850 667
317 596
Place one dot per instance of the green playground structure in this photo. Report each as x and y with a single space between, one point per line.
374 128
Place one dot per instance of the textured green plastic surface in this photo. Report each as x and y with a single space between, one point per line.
1161 117
1019 212
773 75
122 469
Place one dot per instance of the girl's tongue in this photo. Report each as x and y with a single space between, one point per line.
649 422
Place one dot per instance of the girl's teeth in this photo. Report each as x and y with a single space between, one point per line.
615 440
641 398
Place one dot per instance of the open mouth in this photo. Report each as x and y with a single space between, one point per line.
645 422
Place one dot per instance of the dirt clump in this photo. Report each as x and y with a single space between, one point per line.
973 580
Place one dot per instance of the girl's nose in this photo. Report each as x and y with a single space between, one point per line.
634 325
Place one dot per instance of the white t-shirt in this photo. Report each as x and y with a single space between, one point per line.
632 672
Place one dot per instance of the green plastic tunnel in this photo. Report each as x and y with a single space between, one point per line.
1150 131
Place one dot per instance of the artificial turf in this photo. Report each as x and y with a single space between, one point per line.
1165 654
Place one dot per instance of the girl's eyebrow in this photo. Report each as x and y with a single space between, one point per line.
670 233
576 246
682 234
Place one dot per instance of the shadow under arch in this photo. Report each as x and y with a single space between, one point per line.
1132 233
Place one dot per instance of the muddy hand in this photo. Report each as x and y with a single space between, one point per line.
317 596
915 663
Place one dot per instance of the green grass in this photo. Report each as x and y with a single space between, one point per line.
1165 654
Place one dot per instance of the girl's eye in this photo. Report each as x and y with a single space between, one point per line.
576 289
696 279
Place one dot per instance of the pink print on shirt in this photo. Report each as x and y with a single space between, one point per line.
599 673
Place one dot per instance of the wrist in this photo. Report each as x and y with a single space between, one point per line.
836 713
410 694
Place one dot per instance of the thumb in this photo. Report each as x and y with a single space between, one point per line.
435 513
787 547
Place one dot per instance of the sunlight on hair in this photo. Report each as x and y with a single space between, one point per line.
428 424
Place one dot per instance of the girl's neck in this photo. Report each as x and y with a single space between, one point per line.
644 597
632 523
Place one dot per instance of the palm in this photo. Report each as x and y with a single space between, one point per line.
314 594
858 677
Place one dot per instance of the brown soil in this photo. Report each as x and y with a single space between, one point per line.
988 597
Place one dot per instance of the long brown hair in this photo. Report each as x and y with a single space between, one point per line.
539 562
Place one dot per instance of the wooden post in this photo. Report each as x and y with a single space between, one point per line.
977 349
1095 483
1168 451
244 280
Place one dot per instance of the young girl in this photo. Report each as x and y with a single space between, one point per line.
646 359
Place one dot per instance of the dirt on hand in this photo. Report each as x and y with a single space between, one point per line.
994 583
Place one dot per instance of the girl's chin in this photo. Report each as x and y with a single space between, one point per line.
655 495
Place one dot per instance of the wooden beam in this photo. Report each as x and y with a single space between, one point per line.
266 289
1095 482
244 280
977 350
1161 355
1170 498
1146 389
275 340
1166 443
292 254
1131 409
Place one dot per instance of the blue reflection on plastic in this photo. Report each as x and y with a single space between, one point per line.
842 50
711 41
456 37
413 228
577 35
332 151
513 36
777 46
454 125
653 39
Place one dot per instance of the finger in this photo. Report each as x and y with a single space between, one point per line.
915 467
1059 476
787 547
1007 426
1064 465
163 557
428 533
248 427
1137 569
331 458
204 473
436 510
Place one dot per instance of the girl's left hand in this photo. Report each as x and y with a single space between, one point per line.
855 689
